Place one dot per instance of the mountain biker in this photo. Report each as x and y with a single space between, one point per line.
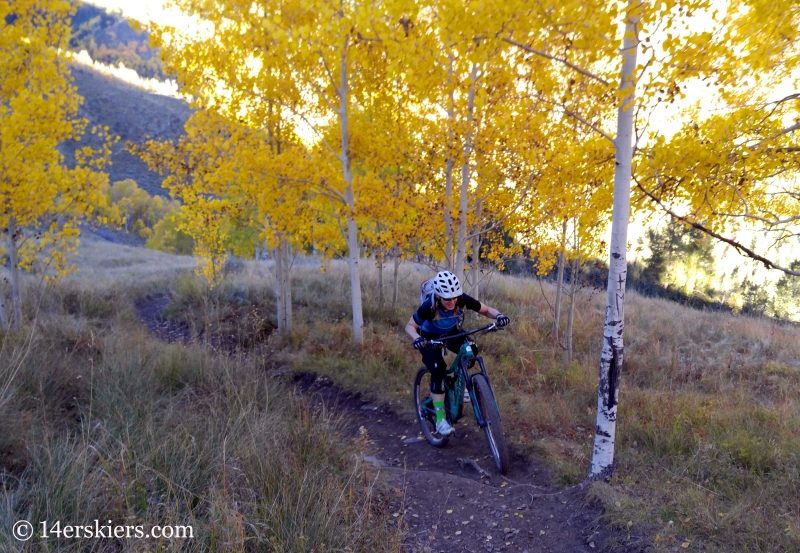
438 317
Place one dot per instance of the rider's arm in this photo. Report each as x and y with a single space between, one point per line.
471 303
424 313
487 311
412 328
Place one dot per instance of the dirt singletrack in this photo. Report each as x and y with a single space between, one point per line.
449 499
453 499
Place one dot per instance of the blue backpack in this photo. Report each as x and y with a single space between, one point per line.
427 291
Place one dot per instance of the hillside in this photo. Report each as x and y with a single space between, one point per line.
109 38
132 114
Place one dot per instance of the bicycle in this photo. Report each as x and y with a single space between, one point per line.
484 405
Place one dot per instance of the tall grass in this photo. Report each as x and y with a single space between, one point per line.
99 420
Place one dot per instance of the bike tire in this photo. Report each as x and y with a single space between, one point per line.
422 390
494 429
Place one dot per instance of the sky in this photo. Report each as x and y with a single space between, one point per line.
143 10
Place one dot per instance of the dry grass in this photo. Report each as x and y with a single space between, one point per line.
99 420
708 438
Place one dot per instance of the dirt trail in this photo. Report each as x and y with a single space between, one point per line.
453 499
450 499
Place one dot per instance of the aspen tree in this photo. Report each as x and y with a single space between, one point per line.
677 49
323 47
226 172
475 95
43 201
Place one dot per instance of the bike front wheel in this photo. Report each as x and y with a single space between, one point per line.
487 406
423 407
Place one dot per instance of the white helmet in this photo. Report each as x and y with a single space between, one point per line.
446 285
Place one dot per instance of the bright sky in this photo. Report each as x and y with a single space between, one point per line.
143 10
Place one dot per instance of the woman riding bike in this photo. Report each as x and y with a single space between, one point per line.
439 317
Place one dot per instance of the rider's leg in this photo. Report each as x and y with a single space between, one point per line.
455 347
434 361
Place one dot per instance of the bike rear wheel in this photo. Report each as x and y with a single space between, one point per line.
487 407
423 407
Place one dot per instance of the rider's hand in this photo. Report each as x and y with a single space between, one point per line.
501 320
420 343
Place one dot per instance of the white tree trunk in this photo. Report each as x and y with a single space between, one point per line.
573 289
379 258
612 352
396 251
381 299
286 288
476 252
560 284
281 313
3 318
461 245
352 229
283 287
448 174
16 296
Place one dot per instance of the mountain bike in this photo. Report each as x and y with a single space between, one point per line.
458 376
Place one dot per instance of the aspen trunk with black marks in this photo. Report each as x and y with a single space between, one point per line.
353 246
612 353
461 243
16 295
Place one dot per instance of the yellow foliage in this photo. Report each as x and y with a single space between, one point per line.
43 201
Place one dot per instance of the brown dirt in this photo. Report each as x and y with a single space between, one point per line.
450 499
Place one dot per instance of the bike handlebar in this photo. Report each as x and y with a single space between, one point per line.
442 341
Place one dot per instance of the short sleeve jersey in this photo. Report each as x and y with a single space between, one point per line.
441 322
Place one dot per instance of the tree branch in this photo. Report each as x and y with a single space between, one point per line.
330 74
590 125
554 58
736 245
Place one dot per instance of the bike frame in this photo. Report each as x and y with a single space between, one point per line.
465 358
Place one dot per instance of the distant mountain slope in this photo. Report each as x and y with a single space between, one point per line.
132 114
109 38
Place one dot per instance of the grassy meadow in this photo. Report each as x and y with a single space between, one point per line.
100 417
100 420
